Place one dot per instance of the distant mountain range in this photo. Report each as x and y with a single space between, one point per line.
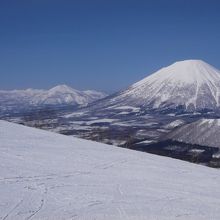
59 95
190 85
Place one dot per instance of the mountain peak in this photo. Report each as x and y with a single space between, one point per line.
62 88
191 84
187 72
190 62
190 66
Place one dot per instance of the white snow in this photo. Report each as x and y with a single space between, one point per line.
61 94
45 175
103 120
174 124
135 109
196 151
191 83
75 114
123 113
121 124
204 132
126 107
95 95
146 142
216 155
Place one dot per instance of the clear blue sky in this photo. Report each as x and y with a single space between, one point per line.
102 44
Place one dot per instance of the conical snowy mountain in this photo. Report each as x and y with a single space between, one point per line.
63 94
59 95
190 84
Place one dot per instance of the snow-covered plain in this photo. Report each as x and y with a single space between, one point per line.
45 175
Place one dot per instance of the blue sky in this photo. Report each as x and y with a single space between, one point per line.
102 44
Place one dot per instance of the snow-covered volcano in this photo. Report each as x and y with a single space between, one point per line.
191 84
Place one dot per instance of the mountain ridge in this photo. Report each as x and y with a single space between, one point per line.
58 95
204 132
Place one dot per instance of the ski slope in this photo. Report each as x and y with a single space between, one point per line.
45 175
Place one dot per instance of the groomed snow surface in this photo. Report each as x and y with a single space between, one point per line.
45 175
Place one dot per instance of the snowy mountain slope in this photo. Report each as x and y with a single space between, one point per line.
190 84
204 132
45 175
59 95
63 94
95 95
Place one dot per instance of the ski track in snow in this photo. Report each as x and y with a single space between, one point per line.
45 175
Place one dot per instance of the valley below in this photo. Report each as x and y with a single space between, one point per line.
125 127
